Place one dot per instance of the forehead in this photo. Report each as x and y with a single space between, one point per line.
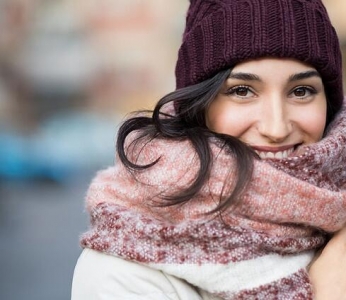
276 65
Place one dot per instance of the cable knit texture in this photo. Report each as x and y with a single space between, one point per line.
257 250
221 33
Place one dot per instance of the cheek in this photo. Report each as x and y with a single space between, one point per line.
314 127
313 123
227 120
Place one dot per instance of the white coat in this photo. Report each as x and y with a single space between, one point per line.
99 276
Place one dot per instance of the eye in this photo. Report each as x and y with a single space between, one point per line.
303 92
240 91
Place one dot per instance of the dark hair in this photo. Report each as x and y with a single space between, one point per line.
189 123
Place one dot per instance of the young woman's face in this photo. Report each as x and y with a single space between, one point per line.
273 105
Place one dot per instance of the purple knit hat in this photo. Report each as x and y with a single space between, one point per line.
221 33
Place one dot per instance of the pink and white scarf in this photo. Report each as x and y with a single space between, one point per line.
259 249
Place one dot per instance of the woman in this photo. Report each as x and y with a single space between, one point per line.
237 179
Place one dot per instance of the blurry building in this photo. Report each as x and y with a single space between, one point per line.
70 70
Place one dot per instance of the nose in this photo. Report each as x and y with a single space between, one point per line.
274 122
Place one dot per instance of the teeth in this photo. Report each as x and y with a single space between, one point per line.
280 154
270 155
277 155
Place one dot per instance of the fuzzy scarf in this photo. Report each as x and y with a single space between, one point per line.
259 249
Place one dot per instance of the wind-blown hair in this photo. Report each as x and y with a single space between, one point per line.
189 123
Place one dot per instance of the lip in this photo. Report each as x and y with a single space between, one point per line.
274 149
267 152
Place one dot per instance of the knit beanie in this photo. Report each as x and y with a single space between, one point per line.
221 33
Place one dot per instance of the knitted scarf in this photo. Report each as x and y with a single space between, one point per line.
258 249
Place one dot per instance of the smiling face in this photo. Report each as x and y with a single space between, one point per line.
273 105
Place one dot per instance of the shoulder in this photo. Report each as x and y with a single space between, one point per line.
176 168
101 276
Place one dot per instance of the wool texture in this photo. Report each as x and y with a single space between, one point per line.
258 249
222 33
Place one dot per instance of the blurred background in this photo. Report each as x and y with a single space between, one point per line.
70 70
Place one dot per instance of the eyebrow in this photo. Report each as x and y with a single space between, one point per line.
244 76
254 77
304 75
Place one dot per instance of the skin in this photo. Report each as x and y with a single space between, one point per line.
327 272
277 106
273 105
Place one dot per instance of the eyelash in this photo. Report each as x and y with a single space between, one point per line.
311 91
234 89
307 89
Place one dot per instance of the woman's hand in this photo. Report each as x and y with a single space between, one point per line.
328 271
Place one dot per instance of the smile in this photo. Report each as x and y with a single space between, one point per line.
274 154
